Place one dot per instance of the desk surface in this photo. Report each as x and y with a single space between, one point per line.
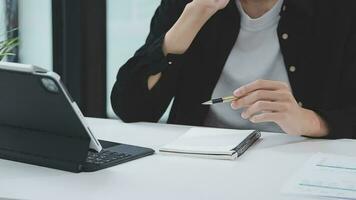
259 174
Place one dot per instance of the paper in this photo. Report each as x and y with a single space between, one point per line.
326 175
207 141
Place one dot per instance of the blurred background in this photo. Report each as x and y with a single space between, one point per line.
85 41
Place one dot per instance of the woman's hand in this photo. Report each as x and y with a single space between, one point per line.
210 5
273 101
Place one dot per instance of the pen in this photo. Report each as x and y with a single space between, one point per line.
220 100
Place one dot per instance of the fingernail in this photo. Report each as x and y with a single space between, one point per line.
238 92
243 115
234 106
252 120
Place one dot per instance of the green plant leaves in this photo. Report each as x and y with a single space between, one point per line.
7 46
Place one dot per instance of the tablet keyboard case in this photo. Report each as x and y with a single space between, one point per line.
38 126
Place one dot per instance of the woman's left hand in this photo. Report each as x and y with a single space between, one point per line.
273 101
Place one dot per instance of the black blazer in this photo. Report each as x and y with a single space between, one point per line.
321 45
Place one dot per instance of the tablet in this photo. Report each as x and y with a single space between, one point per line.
36 99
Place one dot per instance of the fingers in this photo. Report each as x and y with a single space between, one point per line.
261 95
261 85
267 117
267 101
264 106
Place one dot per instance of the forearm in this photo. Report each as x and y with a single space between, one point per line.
179 38
181 35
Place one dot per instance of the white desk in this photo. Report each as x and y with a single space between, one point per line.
259 174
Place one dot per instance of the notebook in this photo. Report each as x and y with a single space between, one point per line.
212 143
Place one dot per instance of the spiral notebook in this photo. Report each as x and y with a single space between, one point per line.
212 143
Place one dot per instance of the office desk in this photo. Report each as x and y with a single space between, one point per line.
259 174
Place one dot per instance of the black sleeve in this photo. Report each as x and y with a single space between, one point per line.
342 121
130 98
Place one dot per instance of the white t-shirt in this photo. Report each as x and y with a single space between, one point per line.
255 55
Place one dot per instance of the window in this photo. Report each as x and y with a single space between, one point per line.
2 20
127 28
33 19
35 32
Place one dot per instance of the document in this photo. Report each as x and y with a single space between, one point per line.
325 175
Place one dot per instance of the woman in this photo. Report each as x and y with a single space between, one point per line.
290 64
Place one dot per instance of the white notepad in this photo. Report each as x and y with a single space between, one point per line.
212 143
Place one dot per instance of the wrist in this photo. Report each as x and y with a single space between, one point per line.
318 126
199 12
323 126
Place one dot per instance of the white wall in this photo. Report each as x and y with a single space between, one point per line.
128 25
35 25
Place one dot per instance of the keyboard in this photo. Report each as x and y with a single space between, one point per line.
113 154
105 157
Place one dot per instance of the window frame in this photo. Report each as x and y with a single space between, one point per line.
12 24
